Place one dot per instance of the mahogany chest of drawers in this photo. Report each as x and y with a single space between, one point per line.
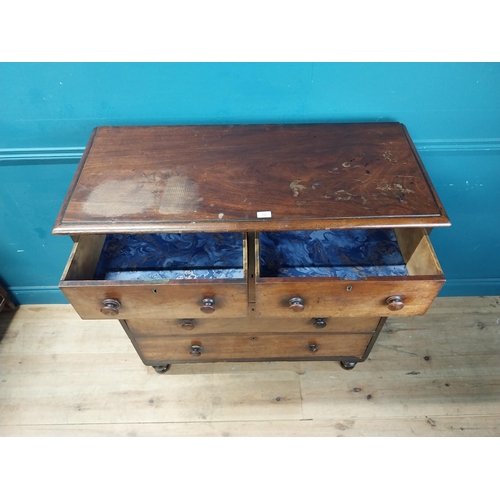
251 242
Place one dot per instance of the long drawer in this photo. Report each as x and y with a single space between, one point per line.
250 324
156 350
387 295
148 298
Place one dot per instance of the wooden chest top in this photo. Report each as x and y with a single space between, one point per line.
249 178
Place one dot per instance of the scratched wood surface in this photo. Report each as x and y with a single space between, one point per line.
436 375
220 178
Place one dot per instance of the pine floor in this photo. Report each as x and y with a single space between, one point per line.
435 375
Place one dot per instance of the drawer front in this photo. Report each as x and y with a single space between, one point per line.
346 298
148 298
406 294
165 327
158 301
275 347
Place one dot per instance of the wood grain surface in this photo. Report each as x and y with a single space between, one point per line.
222 178
432 375
327 297
268 347
157 300
251 324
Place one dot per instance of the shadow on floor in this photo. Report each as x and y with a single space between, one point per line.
7 311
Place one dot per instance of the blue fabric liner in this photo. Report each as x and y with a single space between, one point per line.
171 256
348 254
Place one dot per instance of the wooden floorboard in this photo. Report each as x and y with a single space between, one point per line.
433 375
385 427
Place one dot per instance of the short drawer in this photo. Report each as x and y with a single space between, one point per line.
150 278
190 326
274 347
396 273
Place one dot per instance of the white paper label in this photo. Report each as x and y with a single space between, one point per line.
263 215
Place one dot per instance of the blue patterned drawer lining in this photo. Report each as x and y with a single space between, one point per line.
171 256
350 254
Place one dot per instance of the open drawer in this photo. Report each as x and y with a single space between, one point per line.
372 272
158 276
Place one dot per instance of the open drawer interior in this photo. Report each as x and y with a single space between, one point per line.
165 256
346 254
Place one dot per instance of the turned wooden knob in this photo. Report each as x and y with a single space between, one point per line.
196 350
110 307
313 347
395 303
187 325
208 306
319 323
296 304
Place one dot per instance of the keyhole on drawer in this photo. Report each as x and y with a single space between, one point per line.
349 288
154 290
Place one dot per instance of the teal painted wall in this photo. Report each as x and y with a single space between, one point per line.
48 110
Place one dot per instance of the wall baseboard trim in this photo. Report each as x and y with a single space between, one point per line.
471 287
13 156
25 295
